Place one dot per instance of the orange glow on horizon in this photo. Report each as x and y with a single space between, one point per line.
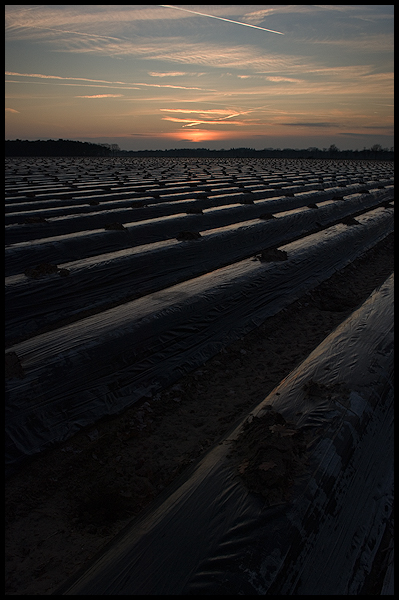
199 135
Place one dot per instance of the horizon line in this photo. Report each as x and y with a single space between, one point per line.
331 148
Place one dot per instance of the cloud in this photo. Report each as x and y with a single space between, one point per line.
119 83
207 117
82 28
201 112
11 110
41 76
362 43
354 135
191 122
348 10
221 18
170 74
102 96
180 51
83 16
259 15
279 79
312 124
166 85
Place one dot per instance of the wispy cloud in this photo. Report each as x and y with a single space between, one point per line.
279 79
173 74
207 117
191 123
41 76
166 85
95 16
356 11
119 83
362 43
258 16
194 12
311 124
202 112
102 96
189 135
11 110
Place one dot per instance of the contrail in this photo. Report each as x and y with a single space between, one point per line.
220 18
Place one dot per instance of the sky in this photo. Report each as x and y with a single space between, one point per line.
208 76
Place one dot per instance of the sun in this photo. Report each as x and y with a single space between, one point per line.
197 135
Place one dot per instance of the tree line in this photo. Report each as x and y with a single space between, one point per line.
56 148
376 152
62 147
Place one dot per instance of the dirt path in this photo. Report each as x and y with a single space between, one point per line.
66 504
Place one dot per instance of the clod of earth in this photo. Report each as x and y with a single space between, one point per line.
350 221
188 235
13 367
270 454
45 269
271 255
267 216
194 211
115 226
29 220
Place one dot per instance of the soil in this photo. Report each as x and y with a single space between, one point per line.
270 454
64 505
45 269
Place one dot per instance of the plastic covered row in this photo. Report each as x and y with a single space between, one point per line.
67 247
33 301
212 534
99 365
40 223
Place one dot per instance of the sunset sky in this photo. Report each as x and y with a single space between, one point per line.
163 76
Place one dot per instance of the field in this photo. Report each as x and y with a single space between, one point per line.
149 304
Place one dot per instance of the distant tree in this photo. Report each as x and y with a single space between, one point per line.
62 147
333 150
58 147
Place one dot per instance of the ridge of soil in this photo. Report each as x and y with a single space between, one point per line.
65 504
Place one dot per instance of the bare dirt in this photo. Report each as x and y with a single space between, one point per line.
269 454
64 505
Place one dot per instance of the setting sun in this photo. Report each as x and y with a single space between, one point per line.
199 135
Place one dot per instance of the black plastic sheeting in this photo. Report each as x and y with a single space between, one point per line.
71 203
163 206
208 535
113 277
69 246
104 363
